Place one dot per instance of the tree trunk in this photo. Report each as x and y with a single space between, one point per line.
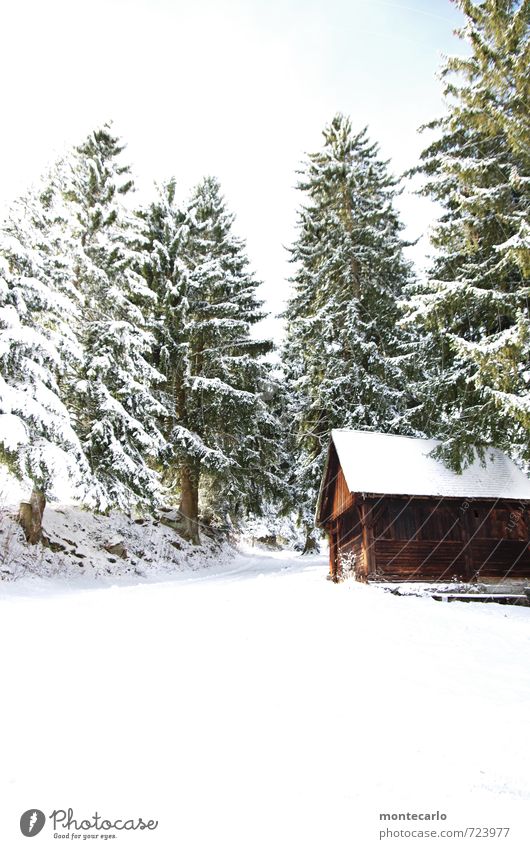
189 504
30 516
311 543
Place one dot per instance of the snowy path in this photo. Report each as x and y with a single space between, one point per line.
258 705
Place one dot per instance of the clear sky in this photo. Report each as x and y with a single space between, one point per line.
235 88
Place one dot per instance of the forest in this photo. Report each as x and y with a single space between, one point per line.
132 370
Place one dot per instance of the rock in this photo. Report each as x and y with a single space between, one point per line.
116 547
170 523
54 544
269 541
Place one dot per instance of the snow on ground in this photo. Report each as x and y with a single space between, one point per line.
258 705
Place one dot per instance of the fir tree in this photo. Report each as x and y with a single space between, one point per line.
472 314
116 408
219 429
39 350
342 354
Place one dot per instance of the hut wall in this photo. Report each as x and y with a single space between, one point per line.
342 498
425 540
350 543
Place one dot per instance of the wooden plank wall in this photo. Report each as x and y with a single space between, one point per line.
342 498
350 540
423 539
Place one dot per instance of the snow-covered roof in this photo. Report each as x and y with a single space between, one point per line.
383 463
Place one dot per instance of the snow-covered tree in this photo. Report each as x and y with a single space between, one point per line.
114 401
343 358
221 434
472 314
39 351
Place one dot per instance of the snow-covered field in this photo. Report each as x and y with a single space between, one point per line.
255 704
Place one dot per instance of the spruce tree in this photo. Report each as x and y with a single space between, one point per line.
221 434
343 359
114 400
472 314
39 350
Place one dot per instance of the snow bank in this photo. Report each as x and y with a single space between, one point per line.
82 544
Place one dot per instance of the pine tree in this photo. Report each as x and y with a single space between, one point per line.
219 428
343 359
38 348
472 314
115 404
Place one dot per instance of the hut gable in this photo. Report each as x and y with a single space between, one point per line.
394 512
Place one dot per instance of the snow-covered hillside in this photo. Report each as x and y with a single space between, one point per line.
80 544
258 705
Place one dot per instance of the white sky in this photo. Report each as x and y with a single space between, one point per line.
226 87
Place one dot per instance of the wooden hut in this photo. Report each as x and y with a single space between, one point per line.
394 513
